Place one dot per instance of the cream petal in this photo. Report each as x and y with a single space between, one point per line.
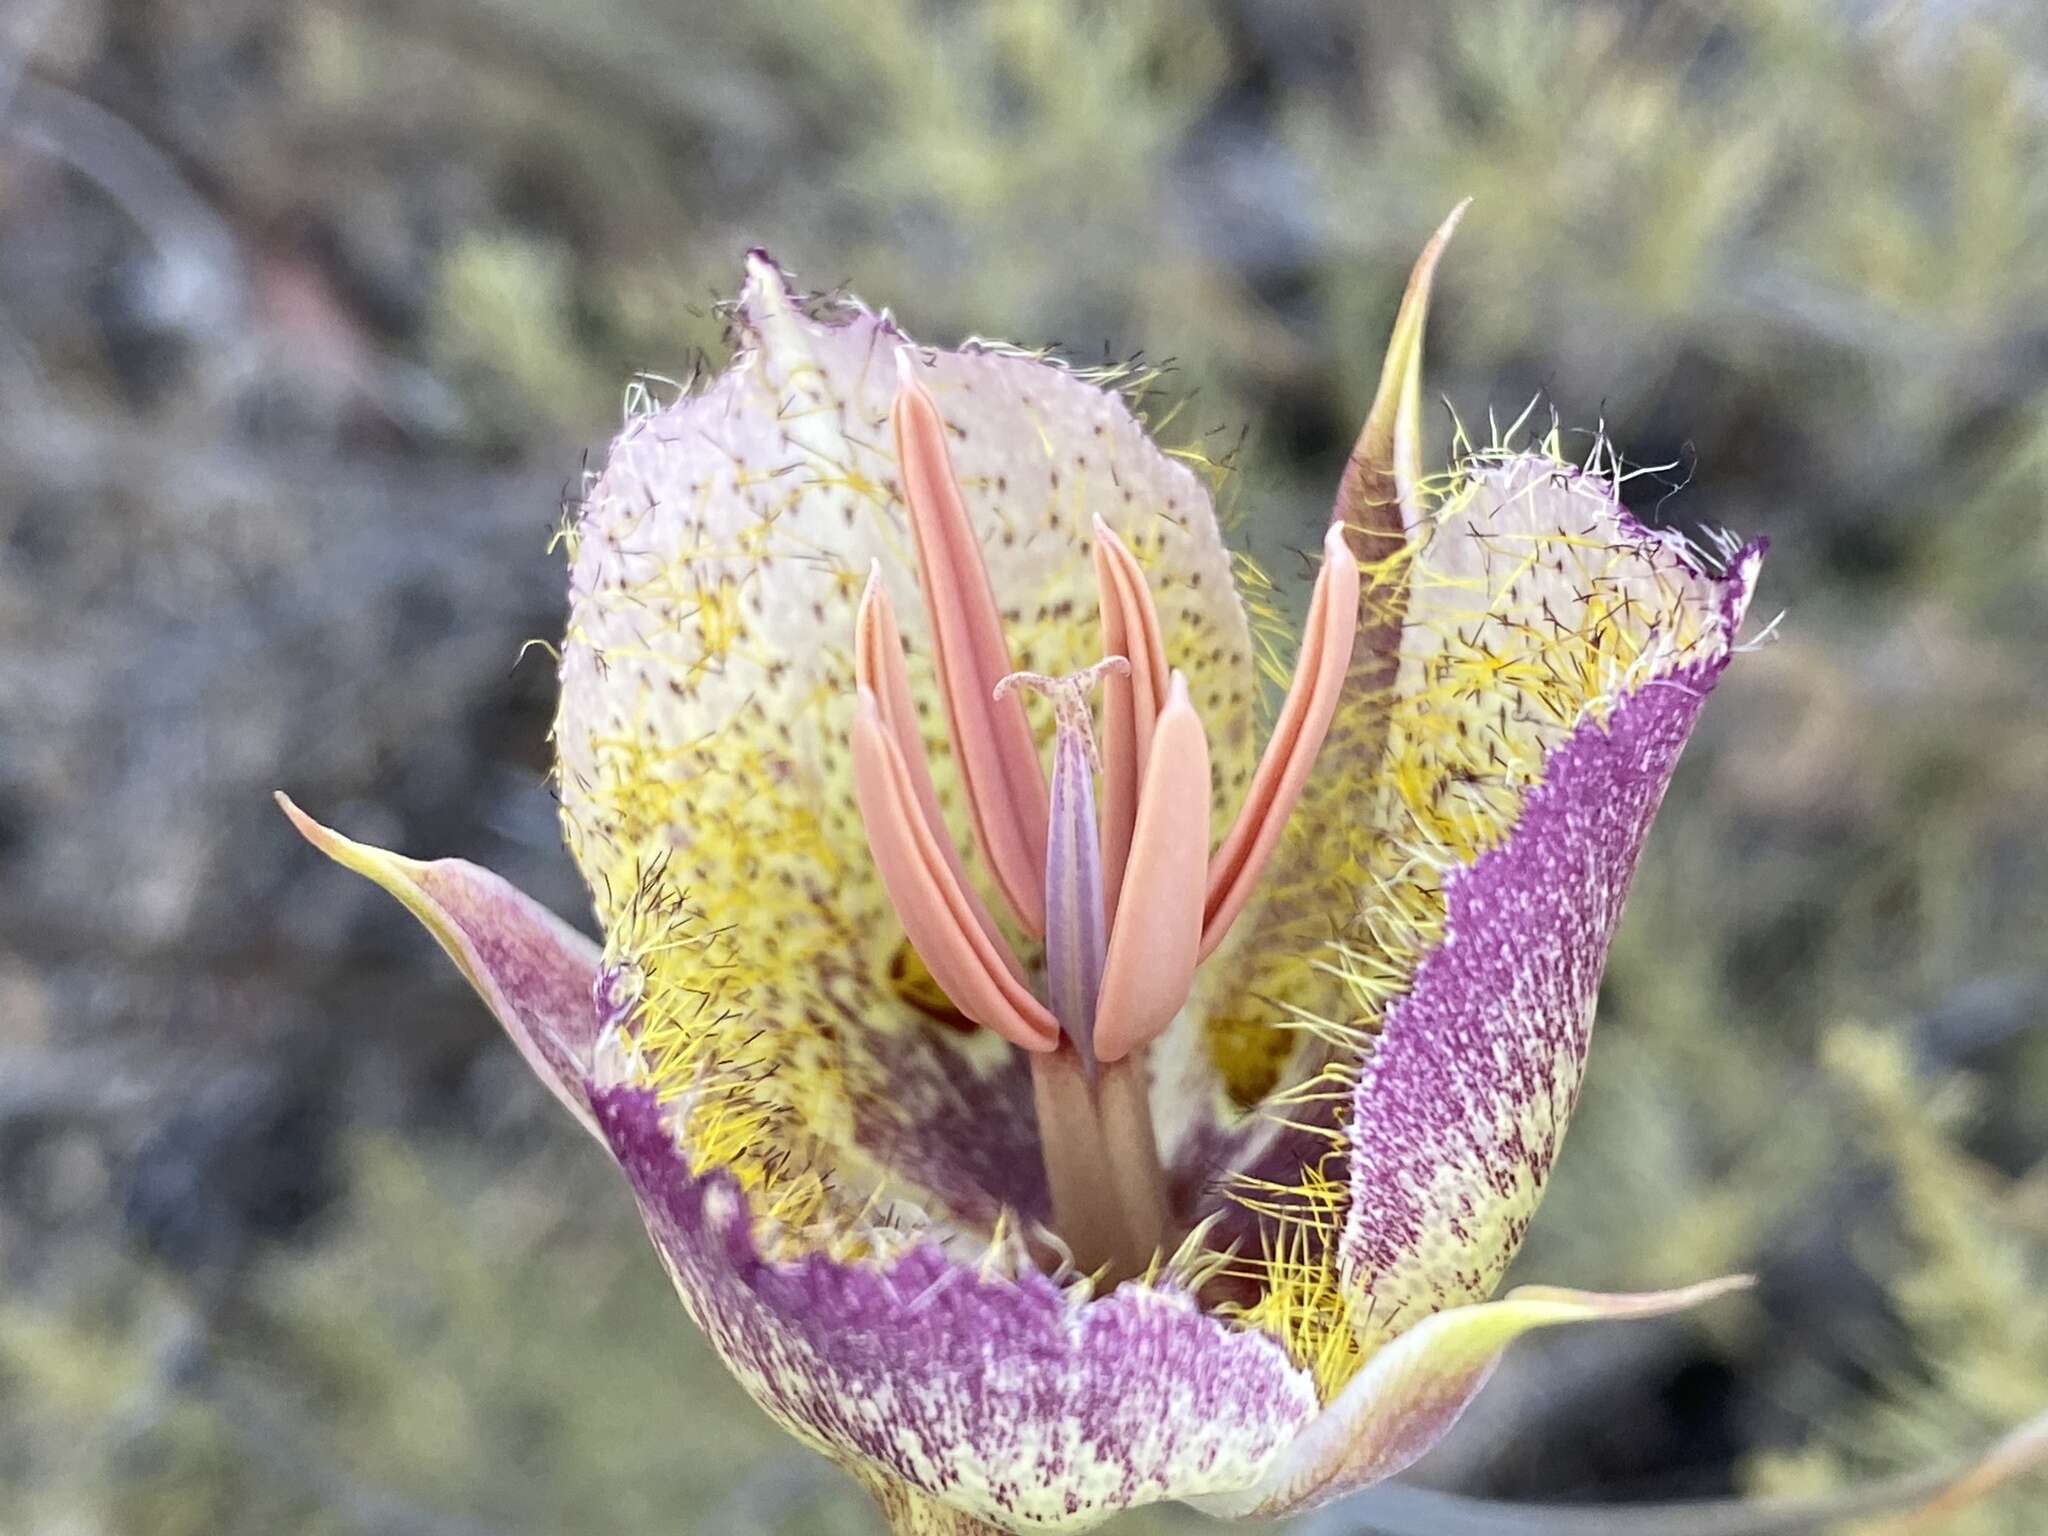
1530 803
708 701
720 553
1555 654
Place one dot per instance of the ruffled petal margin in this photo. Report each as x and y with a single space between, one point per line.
999 1398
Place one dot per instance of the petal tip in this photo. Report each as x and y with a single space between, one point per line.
306 826
1741 582
1596 1305
907 381
767 283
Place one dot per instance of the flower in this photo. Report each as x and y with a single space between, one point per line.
1036 1150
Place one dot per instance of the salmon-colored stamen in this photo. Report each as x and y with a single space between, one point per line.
1130 628
878 668
992 744
1155 941
1297 737
941 915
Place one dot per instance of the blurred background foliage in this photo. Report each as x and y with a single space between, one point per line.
307 309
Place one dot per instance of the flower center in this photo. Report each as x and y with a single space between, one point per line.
1128 899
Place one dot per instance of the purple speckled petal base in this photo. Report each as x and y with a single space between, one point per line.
996 1397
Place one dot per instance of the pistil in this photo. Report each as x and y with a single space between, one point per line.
1076 916
1094 1117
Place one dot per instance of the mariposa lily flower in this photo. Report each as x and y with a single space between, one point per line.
1051 1087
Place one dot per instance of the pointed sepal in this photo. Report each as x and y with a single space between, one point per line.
1377 493
533 971
1410 1394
